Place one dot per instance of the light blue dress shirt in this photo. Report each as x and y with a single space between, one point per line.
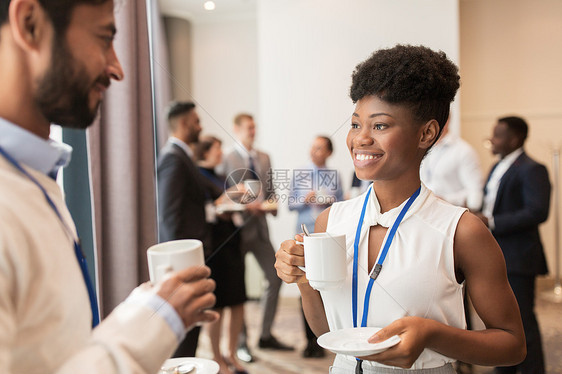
324 181
46 156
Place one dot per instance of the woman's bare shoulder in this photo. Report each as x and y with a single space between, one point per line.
475 248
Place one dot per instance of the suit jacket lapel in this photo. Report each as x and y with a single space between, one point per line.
184 157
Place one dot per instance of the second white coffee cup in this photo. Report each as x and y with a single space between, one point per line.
253 189
325 260
172 256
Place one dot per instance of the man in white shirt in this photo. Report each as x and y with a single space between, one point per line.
452 170
56 61
516 201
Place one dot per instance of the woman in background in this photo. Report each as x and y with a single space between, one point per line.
225 260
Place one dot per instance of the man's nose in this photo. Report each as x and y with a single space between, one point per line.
114 69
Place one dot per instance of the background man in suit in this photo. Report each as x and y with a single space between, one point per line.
181 192
241 163
516 201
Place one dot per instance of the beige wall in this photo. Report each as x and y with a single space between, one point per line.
307 51
291 63
511 63
225 80
179 37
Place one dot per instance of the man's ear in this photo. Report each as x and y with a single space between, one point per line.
29 24
515 141
429 133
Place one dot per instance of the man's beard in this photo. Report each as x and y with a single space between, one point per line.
63 93
193 137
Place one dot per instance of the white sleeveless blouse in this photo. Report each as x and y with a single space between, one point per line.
418 274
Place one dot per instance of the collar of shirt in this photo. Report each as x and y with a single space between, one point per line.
245 153
373 215
508 160
503 165
494 181
46 156
183 145
315 167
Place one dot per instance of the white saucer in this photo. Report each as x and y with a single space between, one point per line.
230 208
200 365
353 341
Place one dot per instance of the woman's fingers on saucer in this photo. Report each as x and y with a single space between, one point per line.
413 332
395 328
381 335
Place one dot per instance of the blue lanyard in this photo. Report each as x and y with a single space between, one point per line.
77 249
378 266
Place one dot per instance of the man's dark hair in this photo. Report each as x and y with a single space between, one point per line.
329 144
517 126
4 5
59 11
178 108
416 76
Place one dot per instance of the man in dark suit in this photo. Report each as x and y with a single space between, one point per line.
245 162
181 192
516 201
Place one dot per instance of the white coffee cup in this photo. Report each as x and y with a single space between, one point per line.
173 256
253 187
325 260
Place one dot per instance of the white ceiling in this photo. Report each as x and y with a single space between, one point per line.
194 11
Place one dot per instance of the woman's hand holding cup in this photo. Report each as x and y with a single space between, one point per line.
325 257
288 259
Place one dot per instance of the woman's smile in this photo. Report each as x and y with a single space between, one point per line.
363 159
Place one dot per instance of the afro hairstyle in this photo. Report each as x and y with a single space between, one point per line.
415 76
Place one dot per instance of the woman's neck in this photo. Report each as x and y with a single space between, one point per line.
391 194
